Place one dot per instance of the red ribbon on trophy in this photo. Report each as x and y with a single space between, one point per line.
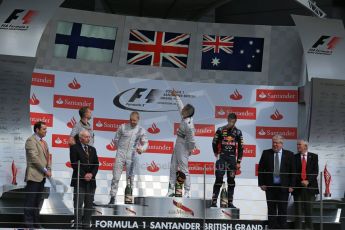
327 176
14 173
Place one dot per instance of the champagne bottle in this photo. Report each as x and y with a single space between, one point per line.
180 178
178 189
224 197
129 192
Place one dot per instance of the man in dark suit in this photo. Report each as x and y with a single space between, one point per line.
276 177
307 169
38 168
84 189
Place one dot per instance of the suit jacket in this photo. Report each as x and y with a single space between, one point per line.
312 173
88 164
287 168
36 160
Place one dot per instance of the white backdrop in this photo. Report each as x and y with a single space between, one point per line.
262 111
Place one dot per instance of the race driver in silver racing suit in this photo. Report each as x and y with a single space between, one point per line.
185 144
130 140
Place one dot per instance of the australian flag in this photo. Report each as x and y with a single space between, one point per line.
232 53
157 48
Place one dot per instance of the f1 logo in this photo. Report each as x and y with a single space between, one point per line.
151 96
332 42
25 20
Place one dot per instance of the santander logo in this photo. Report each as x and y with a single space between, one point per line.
153 129
249 150
236 96
200 167
201 130
196 151
72 102
105 163
106 124
74 84
43 79
277 115
34 100
111 146
246 113
160 147
60 141
280 95
71 123
153 167
263 132
47 118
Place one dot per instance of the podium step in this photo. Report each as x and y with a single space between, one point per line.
168 207
223 213
172 206
119 210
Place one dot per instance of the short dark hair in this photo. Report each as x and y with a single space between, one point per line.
83 110
38 125
190 110
232 116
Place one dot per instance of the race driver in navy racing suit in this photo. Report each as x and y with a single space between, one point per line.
227 141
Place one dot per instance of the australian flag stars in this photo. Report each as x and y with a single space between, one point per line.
232 53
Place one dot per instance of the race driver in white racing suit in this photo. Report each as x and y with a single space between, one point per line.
130 140
185 144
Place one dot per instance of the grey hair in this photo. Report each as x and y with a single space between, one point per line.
278 137
84 131
304 141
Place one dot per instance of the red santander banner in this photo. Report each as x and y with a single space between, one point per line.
45 117
201 130
43 79
264 132
249 150
246 113
199 168
60 140
72 102
106 124
276 95
161 147
105 163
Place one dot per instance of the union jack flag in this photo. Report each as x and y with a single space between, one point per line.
157 48
217 43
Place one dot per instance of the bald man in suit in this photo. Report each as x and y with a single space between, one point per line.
307 168
38 168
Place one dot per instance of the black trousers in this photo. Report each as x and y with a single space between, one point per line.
33 202
277 203
83 204
303 203
222 166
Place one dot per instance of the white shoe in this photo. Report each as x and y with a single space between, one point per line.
187 194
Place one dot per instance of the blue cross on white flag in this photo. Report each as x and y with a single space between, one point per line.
83 41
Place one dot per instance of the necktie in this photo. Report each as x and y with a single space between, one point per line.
276 172
45 149
276 165
86 149
304 168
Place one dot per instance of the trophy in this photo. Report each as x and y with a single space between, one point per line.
180 178
14 173
327 176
